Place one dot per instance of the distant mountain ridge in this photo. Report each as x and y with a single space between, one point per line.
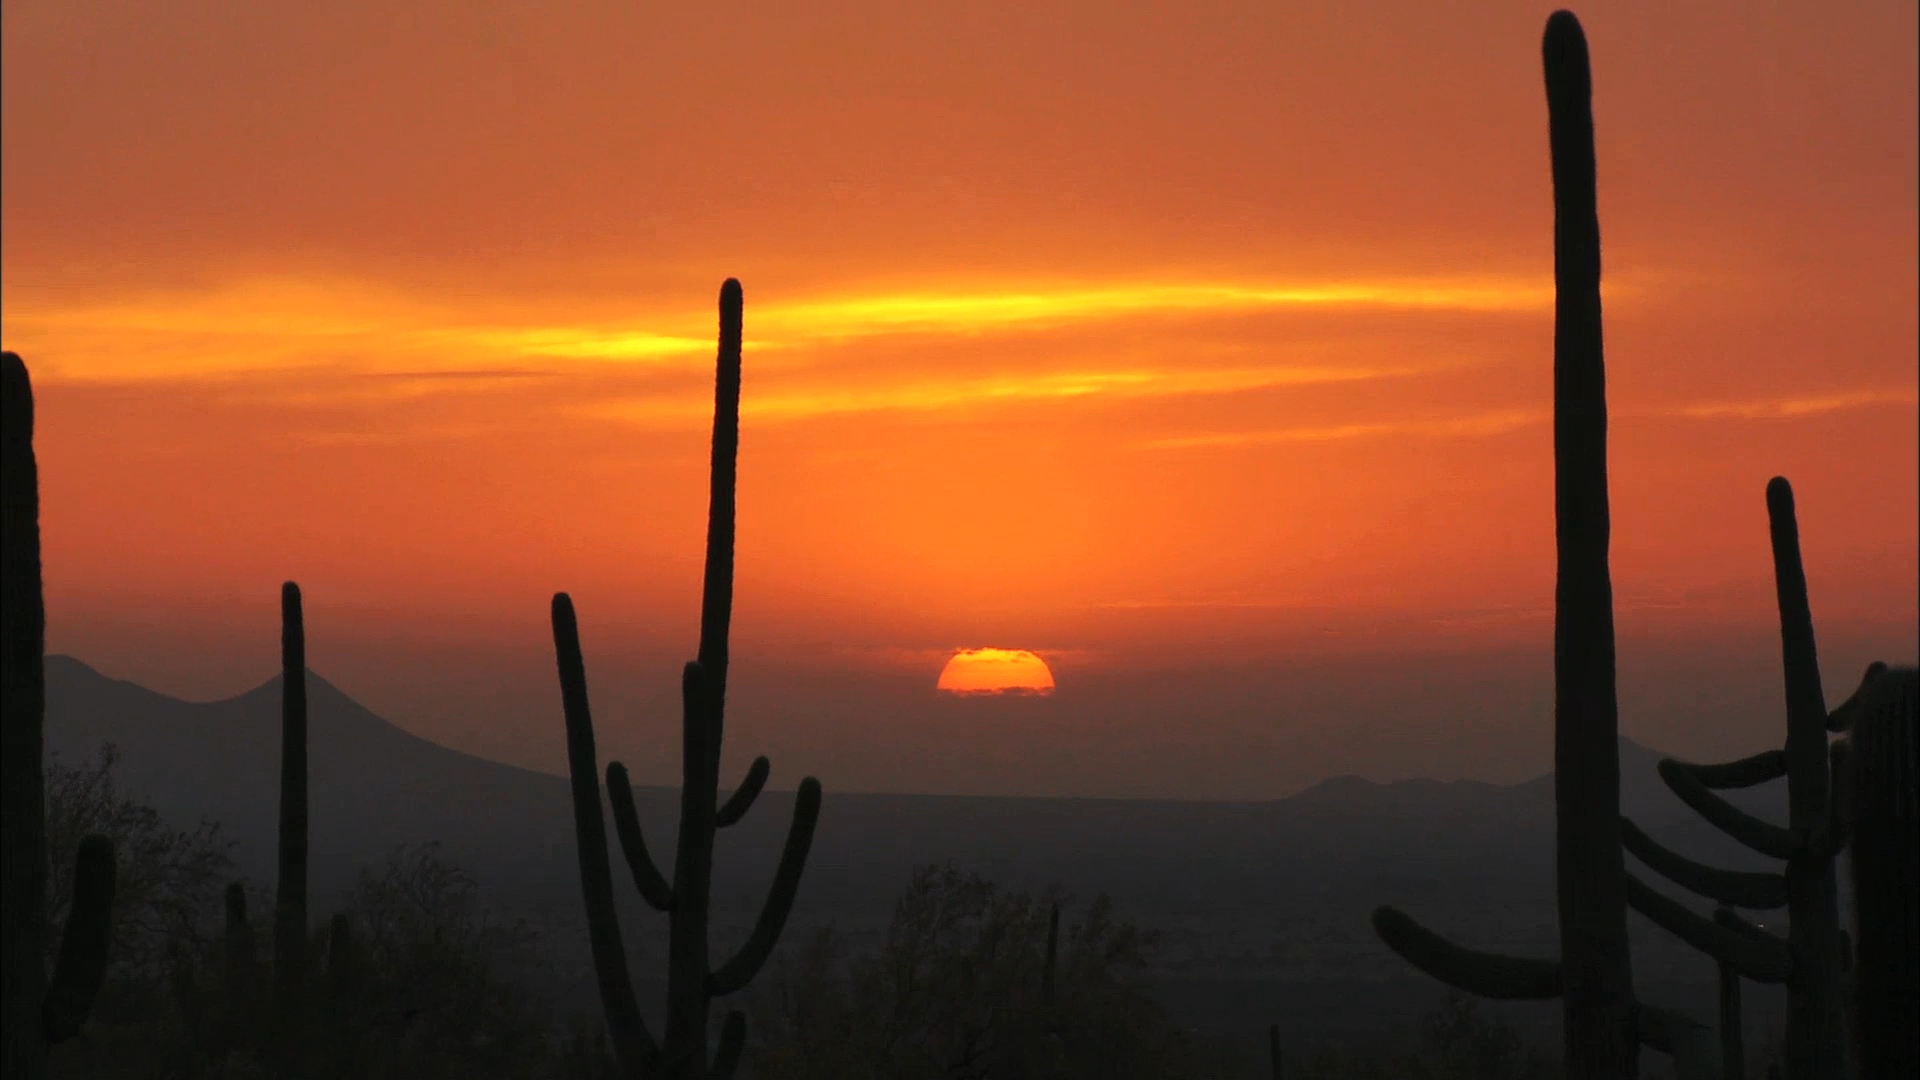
374 785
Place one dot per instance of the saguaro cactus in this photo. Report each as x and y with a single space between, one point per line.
290 892
1593 977
691 984
275 998
1879 781
1808 960
35 1012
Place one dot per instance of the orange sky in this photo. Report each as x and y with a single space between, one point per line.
1154 338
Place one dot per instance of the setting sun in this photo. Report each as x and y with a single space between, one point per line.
996 671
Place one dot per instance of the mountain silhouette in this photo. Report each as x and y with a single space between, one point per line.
373 785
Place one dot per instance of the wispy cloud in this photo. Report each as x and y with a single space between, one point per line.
1479 424
924 395
1500 422
271 324
1249 603
1783 408
966 312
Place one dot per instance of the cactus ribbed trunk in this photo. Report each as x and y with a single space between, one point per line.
704 720
684 1047
1598 1005
290 895
23 830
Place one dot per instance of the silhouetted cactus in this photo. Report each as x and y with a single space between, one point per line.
274 997
36 1011
1593 977
239 938
1880 800
1808 960
691 984
1053 954
290 891
1273 1050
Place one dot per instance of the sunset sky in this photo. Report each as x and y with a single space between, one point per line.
1203 349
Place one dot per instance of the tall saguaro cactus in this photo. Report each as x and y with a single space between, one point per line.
1808 960
290 892
1593 976
681 1054
35 1012
277 1007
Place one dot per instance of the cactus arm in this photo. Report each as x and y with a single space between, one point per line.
742 800
1766 838
83 946
1761 961
737 972
1744 773
1762 891
733 1038
633 843
1689 1041
1489 975
633 1046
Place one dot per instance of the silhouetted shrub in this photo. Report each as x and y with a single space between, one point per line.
168 880
956 990
419 981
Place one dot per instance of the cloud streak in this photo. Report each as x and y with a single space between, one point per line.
270 324
1504 421
1789 408
929 395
